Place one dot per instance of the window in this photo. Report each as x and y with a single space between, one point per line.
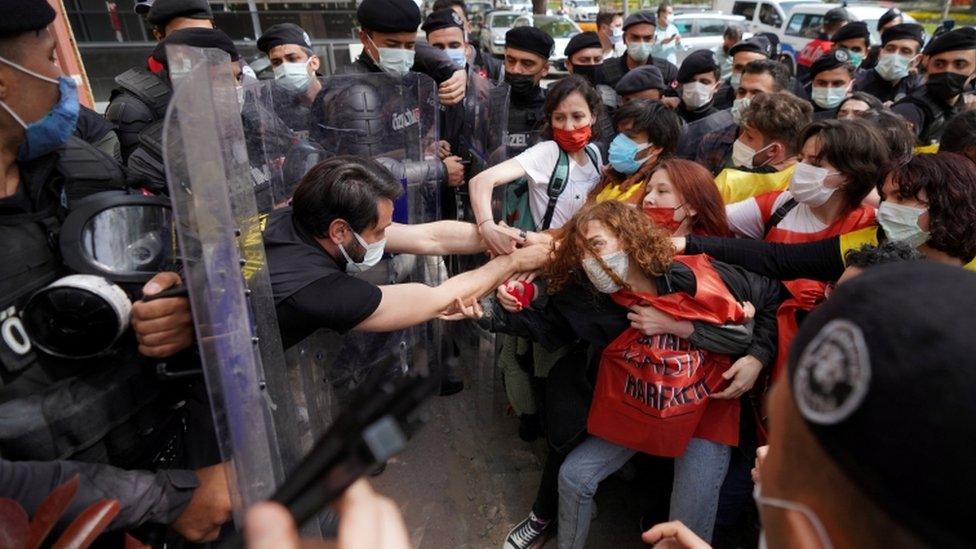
804 25
745 9
769 16
684 27
711 27
503 21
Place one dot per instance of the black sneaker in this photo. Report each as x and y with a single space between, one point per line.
531 533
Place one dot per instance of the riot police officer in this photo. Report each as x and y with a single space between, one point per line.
950 68
891 77
111 408
639 35
527 51
296 67
143 92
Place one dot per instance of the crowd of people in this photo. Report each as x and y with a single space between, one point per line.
753 276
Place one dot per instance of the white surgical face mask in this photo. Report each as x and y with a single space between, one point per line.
395 61
696 94
735 80
892 66
828 98
240 97
639 51
793 506
618 262
459 56
807 185
900 223
744 156
738 106
616 35
293 76
373 255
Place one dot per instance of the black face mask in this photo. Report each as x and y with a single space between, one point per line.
946 85
522 85
587 71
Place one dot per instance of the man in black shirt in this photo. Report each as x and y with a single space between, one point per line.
340 223
639 36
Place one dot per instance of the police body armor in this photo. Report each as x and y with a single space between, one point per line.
936 113
140 100
97 410
525 120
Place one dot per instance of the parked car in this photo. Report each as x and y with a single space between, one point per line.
803 25
703 30
761 15
581 10
477 11
559 27
514 5
496 25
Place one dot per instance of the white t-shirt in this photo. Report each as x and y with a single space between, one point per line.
745 218
538 162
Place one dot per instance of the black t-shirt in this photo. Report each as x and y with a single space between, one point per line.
311 291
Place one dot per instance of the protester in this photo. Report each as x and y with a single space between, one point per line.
839 165
960 135
857 104
897 133
741 54
681 198
829 479
758 77
928 202
648 133
609 27
698 81
731 36
765 154
894 76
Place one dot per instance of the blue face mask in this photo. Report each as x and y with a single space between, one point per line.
395 61
639 51
53 130
623 151
458 56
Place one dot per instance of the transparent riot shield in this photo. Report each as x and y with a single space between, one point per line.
484 132
265 410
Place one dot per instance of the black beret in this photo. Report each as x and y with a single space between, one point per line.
388 15
854 29
905 31
20 16
830 61
959 39
142 6
530 39
442 19
645 77
837 15
697 62
163 11
198 38
641 17
756 44
888 16
284 33
882 375
581 41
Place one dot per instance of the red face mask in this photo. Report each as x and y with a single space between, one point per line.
572 141
663 216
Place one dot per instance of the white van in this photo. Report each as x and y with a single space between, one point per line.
760 15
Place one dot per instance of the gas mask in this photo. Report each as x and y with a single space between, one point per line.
115 242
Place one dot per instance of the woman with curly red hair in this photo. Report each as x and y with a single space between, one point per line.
653 393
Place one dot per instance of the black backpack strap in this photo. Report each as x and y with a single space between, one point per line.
778 215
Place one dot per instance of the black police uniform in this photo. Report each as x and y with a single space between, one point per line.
928 114
139 100
614 69
526 117
869 81
695 115
111 409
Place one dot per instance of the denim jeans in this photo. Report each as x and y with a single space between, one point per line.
698 476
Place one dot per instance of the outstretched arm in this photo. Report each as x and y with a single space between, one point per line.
405 305
480 188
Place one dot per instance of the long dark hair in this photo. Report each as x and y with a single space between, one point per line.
562 89
856 148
